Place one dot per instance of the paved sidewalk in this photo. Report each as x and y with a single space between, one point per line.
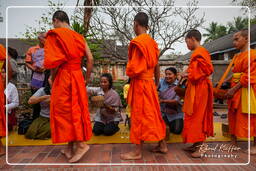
110 153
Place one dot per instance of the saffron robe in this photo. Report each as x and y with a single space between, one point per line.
69 114
146 120
198 101
238 121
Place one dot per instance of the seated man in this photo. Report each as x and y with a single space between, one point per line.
40 127
169 101
108 116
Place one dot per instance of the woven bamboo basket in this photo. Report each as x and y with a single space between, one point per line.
97 101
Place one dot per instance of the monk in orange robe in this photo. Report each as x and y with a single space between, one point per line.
198 101
69 115
238 119
2 101
146 121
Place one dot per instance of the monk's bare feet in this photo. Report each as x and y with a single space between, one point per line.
80 152
2 150
67 153
253 150
131 156
190 148
197 153
2 153
160 148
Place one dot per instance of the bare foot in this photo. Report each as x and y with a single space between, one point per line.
2 153
197 154
131 156
190 148
67 153
80 152
159 149
253 150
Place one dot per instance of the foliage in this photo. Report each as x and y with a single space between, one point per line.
45 23
215 30
250 3
167 25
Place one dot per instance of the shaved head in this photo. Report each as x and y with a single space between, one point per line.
142 19
244 33
194 34
240 39
61 16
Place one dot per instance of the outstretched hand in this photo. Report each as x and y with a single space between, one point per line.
184 74
230 93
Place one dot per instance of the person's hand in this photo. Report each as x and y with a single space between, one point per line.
230 93
109 109
39 69
184 74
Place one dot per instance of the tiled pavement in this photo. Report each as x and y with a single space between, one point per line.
110 153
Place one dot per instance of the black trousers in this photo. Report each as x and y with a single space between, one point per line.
176 126
36 107
105 129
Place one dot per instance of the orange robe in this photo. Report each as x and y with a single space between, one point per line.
146 120
238 121
2 102
69 114
198 101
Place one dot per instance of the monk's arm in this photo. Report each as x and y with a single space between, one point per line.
157 74
89 63
228 79
136 64
36 99
234 89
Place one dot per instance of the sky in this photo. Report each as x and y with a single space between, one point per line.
22 17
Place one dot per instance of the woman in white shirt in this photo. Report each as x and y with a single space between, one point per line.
12 97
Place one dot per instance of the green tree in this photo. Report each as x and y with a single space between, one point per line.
44 23
250 3
237 24
215 31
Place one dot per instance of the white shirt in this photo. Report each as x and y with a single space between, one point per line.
12 97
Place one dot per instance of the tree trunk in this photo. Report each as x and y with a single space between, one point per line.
87 15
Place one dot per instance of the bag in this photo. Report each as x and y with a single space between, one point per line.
24 125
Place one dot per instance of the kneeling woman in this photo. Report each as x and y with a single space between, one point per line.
107 117
40 127
170 101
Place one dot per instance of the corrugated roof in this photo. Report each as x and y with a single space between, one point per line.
222 44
